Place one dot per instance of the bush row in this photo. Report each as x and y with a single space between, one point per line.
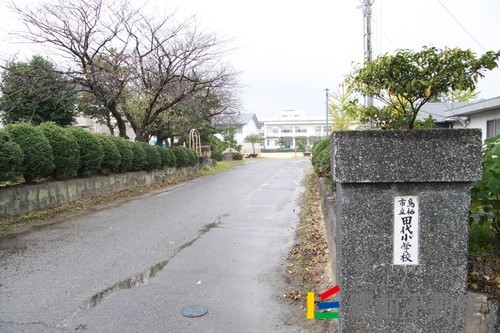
321 157
49 151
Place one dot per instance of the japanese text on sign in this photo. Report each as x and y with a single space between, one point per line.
406 230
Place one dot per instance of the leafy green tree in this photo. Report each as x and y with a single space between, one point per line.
253 139
35 92
407 80
486 192
345 109
229 133
301 146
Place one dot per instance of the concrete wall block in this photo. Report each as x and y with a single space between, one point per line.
371 169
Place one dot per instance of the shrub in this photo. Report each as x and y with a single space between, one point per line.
139 156
181 156
112 157
153 158
91 151
11 158
218 148
482 237
126 154
38 159
193 157
172 159
163 155
237 156
65 149
321 157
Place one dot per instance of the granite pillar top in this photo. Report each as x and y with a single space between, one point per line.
413 156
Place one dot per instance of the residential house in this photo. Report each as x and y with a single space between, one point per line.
483 114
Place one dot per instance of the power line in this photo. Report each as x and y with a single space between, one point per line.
460 24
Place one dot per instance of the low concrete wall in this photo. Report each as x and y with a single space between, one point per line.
25 198
327 206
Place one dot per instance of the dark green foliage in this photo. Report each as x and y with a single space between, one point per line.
153 157
218 148
139 161
112 157
11 158
321 157
163 155
193 157
91 151
126 154
486 192
181 156
38 160
172 159
65 149
35 92
481 237
237 156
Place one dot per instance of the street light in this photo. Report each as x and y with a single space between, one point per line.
327 100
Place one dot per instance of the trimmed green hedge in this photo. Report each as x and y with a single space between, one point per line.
91 151
193 157
139 156
11 158
53 152
112 157
321 157
153 158
38 162
65 149
126 154
181 155
172 159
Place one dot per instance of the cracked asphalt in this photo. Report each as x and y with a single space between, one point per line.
218 241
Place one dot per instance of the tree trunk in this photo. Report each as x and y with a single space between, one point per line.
122 128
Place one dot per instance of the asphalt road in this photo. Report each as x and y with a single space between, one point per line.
219 242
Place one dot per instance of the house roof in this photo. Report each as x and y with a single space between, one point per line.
239 119
439 111
476 107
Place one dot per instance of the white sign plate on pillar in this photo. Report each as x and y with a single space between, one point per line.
406 218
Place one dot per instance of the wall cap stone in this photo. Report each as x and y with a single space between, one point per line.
397 156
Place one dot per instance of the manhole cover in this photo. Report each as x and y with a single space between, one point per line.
194 311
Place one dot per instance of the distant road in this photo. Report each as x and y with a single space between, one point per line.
218 241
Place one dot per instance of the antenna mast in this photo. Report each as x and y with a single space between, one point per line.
366 6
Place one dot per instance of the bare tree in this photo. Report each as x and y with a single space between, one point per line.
137 67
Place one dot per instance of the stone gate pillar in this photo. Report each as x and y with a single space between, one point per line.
401 228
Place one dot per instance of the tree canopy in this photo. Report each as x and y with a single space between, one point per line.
136 67
35 92
408 79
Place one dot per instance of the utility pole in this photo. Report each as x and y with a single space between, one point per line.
366 6
327 102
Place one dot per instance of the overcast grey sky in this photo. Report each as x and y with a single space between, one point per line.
289 51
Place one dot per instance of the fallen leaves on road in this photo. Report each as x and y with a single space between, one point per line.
308 267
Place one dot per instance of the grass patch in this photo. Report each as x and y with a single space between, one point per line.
221 166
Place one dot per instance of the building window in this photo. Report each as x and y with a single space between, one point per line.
239 130
267 142
492 128
286 129
275 142
318 129
300 130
